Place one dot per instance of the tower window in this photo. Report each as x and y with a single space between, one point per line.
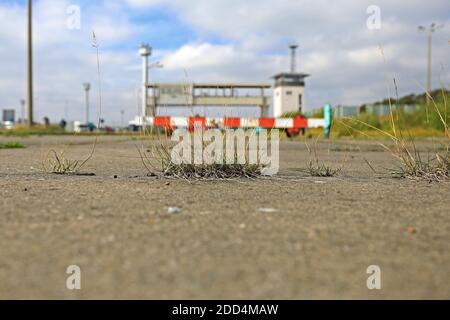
289 93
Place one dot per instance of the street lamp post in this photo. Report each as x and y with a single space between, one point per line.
30 64
156 65
429 31
22 110
293 47
122 122
87 87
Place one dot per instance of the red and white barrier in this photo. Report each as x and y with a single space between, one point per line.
265 123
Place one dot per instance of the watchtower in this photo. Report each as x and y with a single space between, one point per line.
289 89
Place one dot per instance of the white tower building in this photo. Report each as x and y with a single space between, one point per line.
289 90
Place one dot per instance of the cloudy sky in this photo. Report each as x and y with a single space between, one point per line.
218 40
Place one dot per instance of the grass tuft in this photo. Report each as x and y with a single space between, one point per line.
410 161
11 145
212 172
157 159
59 164
39 130
316 169
436 169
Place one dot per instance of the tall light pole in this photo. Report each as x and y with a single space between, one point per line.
429 31
145 51
156 65
22 110
30 64
122 114
87 87
293 47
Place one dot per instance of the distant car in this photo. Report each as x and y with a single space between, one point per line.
9 125
109 129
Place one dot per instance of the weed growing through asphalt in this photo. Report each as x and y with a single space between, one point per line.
318 168
410 162
56 162
158 161
59 164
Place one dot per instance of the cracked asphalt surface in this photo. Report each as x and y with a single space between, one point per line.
317 240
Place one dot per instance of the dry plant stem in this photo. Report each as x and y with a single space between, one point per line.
317 169
94 145
411 164
59 164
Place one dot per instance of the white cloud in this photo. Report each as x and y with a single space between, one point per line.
65 58
192 56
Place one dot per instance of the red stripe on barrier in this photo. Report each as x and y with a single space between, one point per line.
300 123
267 123
195 121
161 122
232 122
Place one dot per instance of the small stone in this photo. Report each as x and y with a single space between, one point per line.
26 189
243 226
412 230
174 210
109 239
167 183
267 210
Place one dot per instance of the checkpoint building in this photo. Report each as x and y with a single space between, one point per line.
287 93
221 95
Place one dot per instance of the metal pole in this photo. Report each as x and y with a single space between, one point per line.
144 85
293 48
87 105
432 28
87 87
22 111
430 34
30 64
293 61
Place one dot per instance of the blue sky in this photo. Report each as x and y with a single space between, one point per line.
219 40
